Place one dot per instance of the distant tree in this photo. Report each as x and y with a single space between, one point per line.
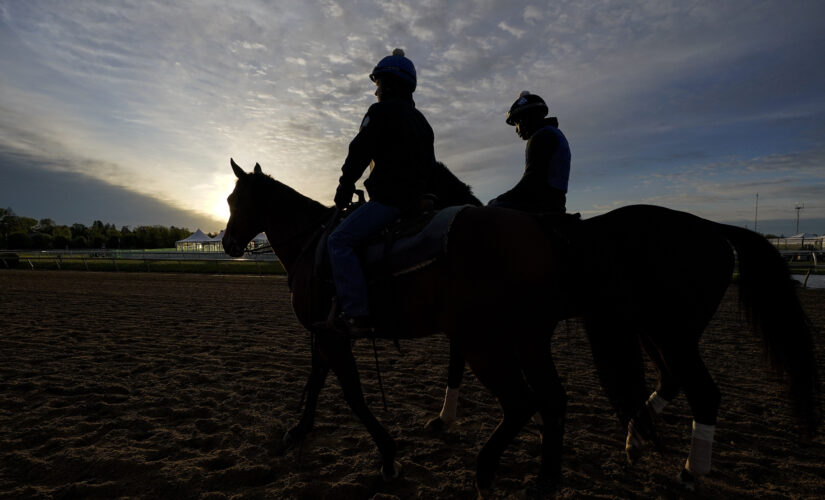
97 240
8 220
45 226
79 243
25 224
26 232
127 238
61 242
112 238
41 241
79 230
19 241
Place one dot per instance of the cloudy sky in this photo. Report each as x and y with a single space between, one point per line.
128 112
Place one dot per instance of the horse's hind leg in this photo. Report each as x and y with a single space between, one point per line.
317 377
703 397
501 375
666 391
668 387
337 351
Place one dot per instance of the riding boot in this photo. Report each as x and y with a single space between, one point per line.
354 326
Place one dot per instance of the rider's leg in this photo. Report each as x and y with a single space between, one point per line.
350 284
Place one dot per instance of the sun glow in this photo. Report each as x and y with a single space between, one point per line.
220 208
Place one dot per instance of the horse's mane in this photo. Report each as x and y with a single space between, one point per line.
450 189
265 183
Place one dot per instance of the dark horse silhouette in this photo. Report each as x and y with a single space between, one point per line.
663 272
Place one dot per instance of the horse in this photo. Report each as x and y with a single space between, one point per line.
665 273
507 344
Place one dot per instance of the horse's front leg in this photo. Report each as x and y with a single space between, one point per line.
499 372
455 374
539 369
317 377
337 351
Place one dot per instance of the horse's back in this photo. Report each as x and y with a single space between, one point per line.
503 270
656 264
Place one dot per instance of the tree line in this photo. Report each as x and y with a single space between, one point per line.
26 233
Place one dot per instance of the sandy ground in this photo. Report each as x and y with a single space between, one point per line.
175 386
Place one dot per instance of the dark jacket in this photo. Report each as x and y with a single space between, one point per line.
398 140
543 187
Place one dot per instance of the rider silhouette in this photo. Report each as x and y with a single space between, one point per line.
543 186
396 140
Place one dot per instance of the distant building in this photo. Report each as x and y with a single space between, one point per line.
798 241
200 242
194 243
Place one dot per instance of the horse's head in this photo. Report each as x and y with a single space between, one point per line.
247 210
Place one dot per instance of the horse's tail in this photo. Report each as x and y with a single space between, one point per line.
769 298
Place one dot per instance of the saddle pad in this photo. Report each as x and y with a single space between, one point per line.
415 251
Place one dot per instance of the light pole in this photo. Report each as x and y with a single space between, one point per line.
756 213
799 206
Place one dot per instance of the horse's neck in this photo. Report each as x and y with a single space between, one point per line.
290 239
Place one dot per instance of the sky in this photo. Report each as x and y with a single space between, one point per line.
128 112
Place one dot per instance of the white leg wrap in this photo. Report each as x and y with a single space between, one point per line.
701 448
657 403
448 411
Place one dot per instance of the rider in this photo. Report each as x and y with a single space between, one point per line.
396 141
543 187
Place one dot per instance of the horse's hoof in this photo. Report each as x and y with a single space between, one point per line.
396 473
687 480
545 486
437 425
483 493
634 453
288 439
291 438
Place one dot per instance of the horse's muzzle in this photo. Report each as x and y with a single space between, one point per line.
231 247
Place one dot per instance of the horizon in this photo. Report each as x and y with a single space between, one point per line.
130 115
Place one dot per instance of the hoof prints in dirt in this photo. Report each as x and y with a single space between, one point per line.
174 386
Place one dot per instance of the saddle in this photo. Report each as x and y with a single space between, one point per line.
406 245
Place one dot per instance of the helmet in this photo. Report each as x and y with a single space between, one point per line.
397 66
526 102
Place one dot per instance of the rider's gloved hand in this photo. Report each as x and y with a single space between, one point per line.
343 195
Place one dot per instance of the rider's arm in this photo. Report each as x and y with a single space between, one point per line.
533 184
361 148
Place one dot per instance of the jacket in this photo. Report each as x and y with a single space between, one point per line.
543 186
397 142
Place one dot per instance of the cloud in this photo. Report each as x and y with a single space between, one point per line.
510 29
654 96
532 14
42 188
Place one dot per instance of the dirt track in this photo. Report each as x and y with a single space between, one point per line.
180 386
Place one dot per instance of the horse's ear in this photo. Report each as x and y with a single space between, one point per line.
239 173
258 169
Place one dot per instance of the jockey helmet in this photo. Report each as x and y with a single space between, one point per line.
397 66
526 103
